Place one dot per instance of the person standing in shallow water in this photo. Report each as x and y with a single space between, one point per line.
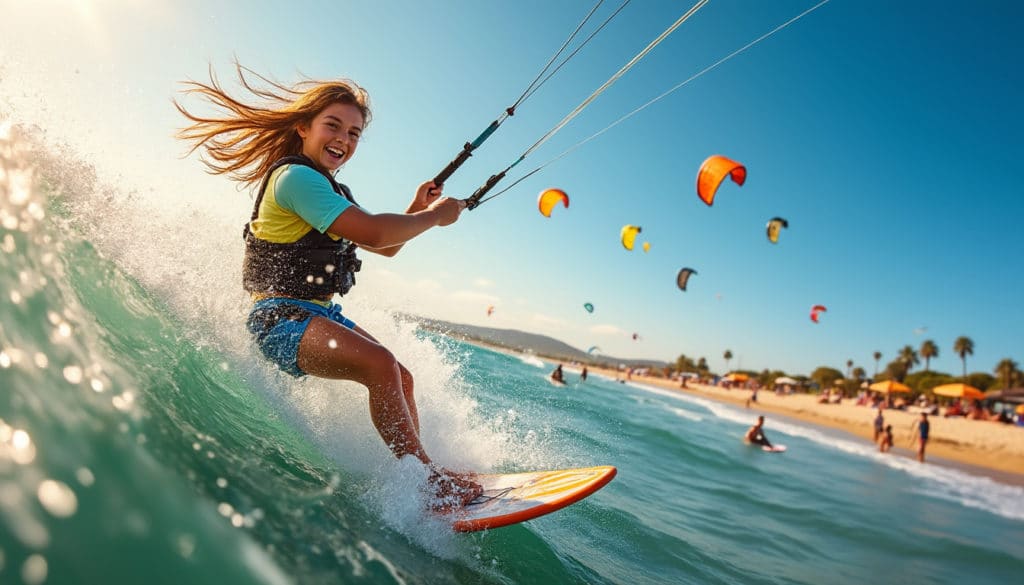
923 429
301 241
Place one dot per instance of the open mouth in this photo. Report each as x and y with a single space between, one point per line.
335 153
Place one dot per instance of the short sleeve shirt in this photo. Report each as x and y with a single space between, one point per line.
297 200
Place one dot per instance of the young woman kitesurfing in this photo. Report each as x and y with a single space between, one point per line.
301 241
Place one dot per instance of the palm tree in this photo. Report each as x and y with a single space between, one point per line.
728 356
928 351
849 366
702 365
858 373
909 357
963 347
1007 371
878 356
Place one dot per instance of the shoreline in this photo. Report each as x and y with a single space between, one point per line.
1002 460
986 448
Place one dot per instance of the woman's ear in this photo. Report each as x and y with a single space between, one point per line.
302 129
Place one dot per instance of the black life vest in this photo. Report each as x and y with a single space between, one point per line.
314 266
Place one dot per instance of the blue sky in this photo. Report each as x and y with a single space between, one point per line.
887 133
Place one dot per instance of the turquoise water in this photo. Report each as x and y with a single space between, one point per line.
143 441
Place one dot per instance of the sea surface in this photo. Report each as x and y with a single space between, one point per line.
143 440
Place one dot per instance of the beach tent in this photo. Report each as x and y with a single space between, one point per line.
889 386
958 390
786 380
1015 395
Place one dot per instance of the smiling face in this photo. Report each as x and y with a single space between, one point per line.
332 136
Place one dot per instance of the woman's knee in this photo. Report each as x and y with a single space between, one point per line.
406 375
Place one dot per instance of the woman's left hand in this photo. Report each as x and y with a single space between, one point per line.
426 194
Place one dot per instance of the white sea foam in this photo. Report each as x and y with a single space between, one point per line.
938 481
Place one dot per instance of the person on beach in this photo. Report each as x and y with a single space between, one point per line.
301 241
583 374
557 375
886 441
755 434
879 423
923 427
752 398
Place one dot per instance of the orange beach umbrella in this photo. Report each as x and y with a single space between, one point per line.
889 386
959 390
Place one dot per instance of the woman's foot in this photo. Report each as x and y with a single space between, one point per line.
452 490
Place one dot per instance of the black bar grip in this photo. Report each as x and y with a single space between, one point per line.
474 200
467 151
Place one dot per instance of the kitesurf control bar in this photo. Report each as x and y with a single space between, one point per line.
469 147
474 199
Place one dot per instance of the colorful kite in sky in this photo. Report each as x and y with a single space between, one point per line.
713 171
549 198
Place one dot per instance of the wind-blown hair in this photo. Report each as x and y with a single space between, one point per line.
249 138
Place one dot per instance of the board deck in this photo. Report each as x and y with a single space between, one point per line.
516 497
773 448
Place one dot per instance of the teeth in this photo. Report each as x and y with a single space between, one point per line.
336 152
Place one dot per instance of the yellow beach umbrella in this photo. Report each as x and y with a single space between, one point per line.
959 390
889 386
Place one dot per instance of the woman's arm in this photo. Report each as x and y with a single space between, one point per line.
385 234
387 230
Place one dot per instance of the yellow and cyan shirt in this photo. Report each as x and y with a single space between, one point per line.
297 200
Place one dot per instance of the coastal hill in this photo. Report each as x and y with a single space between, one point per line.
521 341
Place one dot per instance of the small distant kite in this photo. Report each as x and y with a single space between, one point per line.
589 307
684 276
647 247
592 349
713 171
774 225
629 233
636 337
547 200
490 310
815 310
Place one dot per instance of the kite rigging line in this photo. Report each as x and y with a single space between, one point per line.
476 197
656 99
469 147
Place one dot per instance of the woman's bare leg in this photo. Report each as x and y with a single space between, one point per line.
407 383
329 350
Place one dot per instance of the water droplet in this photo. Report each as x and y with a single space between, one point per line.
186 545
16 297
34 570
221 482
333 344
85 477
58 499
73 374
41 360
96 385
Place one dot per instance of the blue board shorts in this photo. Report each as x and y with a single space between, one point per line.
279 323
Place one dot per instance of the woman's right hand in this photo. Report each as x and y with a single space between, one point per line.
447 210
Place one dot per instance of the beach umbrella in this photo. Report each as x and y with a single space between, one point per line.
1020 409
959 390
889 386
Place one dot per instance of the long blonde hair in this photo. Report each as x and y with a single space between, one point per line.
250 138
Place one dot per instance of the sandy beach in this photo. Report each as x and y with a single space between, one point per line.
983 447
989 447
